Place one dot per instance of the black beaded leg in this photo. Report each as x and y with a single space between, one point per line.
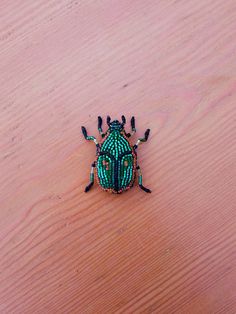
142 139
88 187
132 122
133 130
140 179
100 126
90 138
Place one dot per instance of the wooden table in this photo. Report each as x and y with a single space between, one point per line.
172 65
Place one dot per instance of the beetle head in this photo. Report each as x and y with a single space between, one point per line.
116 125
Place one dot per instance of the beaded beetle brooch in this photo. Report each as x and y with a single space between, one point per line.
116 161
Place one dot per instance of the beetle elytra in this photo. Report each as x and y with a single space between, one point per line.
116 165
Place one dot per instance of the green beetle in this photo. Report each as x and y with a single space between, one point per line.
116 162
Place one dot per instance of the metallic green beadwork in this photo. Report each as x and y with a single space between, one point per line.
116 162
114 169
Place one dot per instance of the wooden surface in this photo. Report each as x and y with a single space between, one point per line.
172 65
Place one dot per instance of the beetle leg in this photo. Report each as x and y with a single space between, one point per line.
132 122
100 127
88 187
90 138
133 130
140 181
143 139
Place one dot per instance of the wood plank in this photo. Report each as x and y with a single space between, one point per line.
172 65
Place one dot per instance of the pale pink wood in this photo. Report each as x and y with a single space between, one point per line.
172 65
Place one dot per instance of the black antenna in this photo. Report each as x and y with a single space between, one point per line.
123 120
108 120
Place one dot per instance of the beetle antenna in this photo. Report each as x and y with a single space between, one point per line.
99 122
108 120
123 120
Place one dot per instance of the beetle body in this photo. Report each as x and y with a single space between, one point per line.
116 163
116 159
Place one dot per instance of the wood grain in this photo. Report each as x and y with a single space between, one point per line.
172 65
